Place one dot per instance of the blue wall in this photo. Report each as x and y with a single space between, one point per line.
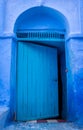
5 63
74 48
75 79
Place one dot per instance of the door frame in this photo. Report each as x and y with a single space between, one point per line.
60 38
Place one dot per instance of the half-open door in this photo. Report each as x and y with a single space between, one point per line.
37 82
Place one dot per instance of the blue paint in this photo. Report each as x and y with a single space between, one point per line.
40 16
76 104
12 101
52 13
41 35
73 47
37 82
5 59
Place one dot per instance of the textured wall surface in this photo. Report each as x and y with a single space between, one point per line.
69 8
5 62
72 12
81 14
75 79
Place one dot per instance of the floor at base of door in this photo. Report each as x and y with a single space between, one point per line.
50 125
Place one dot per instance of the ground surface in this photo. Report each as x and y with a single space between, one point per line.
42 126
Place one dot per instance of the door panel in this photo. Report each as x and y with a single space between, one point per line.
37 82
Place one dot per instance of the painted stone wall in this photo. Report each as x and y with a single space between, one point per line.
5 63
1 15
75 79
71 9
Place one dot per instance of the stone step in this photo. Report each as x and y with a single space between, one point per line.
3 116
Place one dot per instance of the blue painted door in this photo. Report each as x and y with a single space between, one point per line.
37 82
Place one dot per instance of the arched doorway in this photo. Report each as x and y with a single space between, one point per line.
46 35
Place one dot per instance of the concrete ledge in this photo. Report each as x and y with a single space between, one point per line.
3 116
7 35
74 36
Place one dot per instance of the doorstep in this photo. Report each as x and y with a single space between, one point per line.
47 121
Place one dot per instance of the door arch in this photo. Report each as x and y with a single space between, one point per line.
47 19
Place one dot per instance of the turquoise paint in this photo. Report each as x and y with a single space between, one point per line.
54 15
37 82
13 80
10 10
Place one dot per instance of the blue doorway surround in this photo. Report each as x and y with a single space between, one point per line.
47 34
37 69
